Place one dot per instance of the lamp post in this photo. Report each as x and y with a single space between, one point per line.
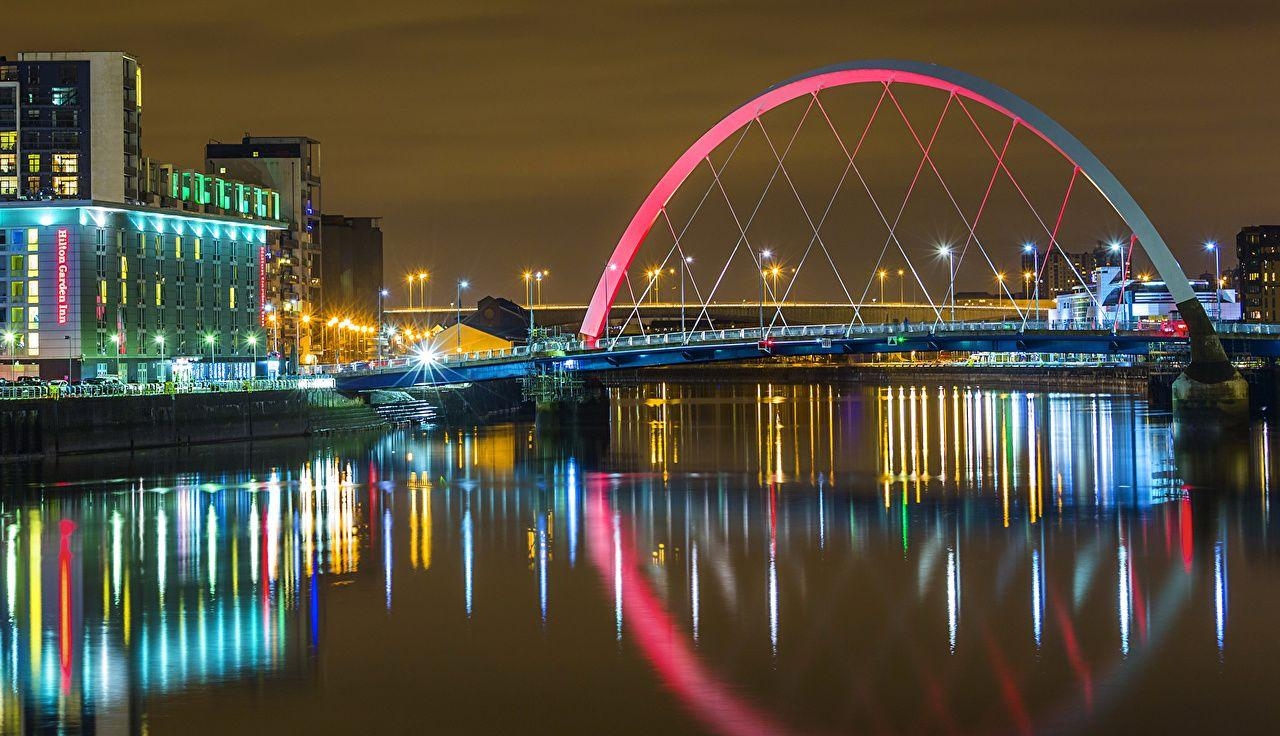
528 299
422 289
1121 306
409 279
462 284
160 343
684 266
764 256
9 337
1217 280
883 275
67 339
1000 290
1035 270
902 287
253 344
382 294
951 269
211 340
538 277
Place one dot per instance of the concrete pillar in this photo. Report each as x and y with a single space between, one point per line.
1210 392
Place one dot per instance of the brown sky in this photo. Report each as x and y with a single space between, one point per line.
487 132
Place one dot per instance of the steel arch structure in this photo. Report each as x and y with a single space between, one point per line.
1207 353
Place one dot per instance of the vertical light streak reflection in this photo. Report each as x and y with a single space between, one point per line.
211 529
694 593
953 596
1037 595
1124 603
468 552
386 550
571 494
773 570
65 643
11 569
542 566
617 574
35 592
162 549
117 550
1220 593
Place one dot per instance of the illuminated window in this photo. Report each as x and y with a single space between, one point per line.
17 263
66 163
33 343
8 140
8 185
159 295
33 239
124 267
17 289
177 247
66 186
33 162
17 315
33 292
8 163
197 249
232 298
64 96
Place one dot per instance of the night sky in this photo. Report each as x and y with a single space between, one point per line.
487 132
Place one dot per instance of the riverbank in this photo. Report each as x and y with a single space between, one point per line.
35 428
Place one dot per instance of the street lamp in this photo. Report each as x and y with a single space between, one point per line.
684 266
902 287
1035 269
1122 306
253 343
211 340
382 294
945 251
422 286
160 343
537 277
9 337
462 284
1217 280
528 300
764 256
409 279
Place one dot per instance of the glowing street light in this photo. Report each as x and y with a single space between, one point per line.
765 255
684 268
9 339
252 339
1217 279
945 251
902 287
422 288
211 340
883 275
462 284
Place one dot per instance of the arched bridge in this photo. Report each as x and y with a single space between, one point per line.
709 244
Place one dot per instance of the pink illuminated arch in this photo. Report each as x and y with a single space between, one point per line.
883 72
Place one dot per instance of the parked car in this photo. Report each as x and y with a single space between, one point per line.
104 381
29 381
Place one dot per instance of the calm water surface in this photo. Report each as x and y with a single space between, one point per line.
737 559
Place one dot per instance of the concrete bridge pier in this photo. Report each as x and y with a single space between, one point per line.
1210 394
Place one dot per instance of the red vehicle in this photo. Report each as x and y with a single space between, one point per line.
1173 328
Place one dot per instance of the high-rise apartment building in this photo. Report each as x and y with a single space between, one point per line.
288 165
351 261
1258 250
71 126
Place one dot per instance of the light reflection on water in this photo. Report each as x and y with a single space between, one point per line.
731 559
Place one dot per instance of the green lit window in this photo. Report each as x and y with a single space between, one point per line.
17 289
33 162
17 263
177 247
17 315
231 296
124 267
159 295
197 249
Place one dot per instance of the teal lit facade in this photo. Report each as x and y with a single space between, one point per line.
96 288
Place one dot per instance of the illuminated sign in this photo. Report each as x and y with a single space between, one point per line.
262 287
64 270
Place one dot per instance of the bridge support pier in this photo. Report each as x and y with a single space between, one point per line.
1210 393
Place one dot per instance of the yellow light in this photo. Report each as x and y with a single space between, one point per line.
306 319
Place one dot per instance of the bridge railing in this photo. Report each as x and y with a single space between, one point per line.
84 391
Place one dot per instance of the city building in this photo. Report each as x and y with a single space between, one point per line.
1258 277
92 288
288 165
1110 299
351 262
1061 271
71 126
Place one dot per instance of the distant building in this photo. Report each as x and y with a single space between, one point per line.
71 126
289 165
351 262
1060 272
1108 299
1258 277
